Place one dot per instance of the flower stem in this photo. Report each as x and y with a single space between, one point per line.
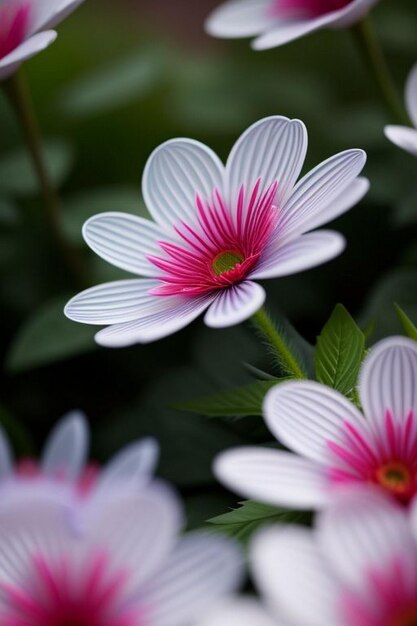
269 331
373 54
17 91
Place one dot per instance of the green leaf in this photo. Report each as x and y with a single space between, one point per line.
48 336
237 402
339 352
17 176
241 523
408 326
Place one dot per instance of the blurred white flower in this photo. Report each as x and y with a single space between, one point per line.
404 136
276 22
217 229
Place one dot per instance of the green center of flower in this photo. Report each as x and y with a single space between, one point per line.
394 476
226 261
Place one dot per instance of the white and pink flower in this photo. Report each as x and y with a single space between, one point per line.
125 566
25 29
217 230
276 22
404 136
336 445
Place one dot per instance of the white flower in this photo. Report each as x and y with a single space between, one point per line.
404 136
335 446
25 29
217 229
126 566
276 22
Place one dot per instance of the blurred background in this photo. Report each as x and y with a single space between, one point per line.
123 77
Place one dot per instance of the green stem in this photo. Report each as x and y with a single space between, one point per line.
269 331
372 52
17 91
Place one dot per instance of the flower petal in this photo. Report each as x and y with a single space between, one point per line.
131 467
125 241
239 18
176 172
6 456
303 253
291 573
272 149
173 314
403 137
66 449
411 94
239 611
114 303
11 62
305 416
317 190
235 304
388 381
271 476
203 568
48 13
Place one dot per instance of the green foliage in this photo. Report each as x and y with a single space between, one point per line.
48 336
241 523
8 212
339 352
408 326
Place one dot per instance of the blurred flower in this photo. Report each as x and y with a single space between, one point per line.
24 29
216 230
126 566
276 22
64 463
335 446
403 136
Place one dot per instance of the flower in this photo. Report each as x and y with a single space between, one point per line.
25 29
276 22
126 566
335 446
216 230
403 136
64 463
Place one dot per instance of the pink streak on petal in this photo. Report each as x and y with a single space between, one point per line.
306 8
14 22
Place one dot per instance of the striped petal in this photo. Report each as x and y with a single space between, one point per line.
235 304
11 62
66 449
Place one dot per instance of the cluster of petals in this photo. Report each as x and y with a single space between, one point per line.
357 567
64 467
217 230
25 29
403 136
335 445
277 22
123 564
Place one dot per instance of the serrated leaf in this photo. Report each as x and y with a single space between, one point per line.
237 402
241 523
408 326
339 352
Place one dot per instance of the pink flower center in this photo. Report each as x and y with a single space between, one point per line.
64 594
222 247
14 23
306 8
387 459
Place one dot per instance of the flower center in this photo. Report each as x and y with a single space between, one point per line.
407 618
226 261
395 477
14 23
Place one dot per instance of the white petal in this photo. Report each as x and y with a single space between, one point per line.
203 568
125 241
6 456
272 149
176 172
282 32
303 253
291 573
114 303
411 95
66 449
235 304
174 314
305 416
272 476
239 18
48 13
403 137
10 63
388 381
365 531
317 190
131 467
139 530
239 611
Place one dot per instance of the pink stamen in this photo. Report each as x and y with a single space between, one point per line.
14 24
299 9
